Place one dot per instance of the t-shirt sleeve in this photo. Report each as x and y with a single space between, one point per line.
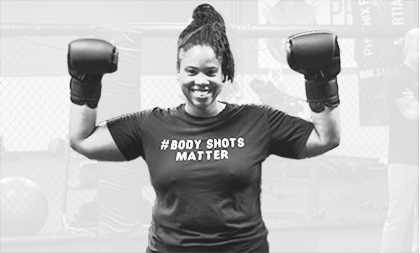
127 134
287 134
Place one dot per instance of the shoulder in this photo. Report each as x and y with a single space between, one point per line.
251 107
143 115
257 112
265 110
159 112
247 110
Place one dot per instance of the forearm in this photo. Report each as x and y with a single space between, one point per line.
82 124
327 127
325 135
90 139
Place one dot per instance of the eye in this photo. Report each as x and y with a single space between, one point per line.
212 72
191 72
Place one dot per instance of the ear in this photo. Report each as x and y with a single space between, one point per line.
177 76
222 85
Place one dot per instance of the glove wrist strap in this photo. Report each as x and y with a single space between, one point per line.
321 93
81 93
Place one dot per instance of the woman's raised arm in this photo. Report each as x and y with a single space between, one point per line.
88 60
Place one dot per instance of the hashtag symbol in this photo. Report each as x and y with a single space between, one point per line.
164 144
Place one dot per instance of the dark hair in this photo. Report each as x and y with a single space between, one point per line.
208 28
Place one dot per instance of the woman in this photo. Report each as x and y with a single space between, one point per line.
204 156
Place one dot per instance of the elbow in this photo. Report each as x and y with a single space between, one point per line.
76 145
333 142
329 142
334 138
336 143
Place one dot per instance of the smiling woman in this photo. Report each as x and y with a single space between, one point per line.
204 62
200 77
205 156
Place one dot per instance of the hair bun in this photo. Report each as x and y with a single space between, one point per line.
206 14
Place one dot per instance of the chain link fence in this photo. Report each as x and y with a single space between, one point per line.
346 186
35 161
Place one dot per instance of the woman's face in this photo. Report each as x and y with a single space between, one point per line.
200 77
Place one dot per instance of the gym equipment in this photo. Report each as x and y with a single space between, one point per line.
23 207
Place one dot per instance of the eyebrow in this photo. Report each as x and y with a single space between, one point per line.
195 68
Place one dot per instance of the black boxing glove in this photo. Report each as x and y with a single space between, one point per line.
316 55
88 60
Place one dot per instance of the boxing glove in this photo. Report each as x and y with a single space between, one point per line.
316 55
88 60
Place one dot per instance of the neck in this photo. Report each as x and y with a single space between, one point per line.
412 66
205 113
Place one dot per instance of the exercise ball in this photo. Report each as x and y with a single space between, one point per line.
23 207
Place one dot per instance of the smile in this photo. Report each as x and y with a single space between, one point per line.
201 92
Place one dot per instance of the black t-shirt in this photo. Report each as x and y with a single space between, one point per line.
403 132
206 172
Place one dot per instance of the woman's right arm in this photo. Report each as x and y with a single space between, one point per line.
88 60
89 139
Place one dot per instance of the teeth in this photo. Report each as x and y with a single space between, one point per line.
202 92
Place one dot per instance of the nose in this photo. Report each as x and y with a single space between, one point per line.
201 79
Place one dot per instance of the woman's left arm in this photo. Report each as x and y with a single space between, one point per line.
325 135
316 55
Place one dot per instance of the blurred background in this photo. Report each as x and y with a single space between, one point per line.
333 203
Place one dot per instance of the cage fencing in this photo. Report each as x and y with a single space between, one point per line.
346 186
